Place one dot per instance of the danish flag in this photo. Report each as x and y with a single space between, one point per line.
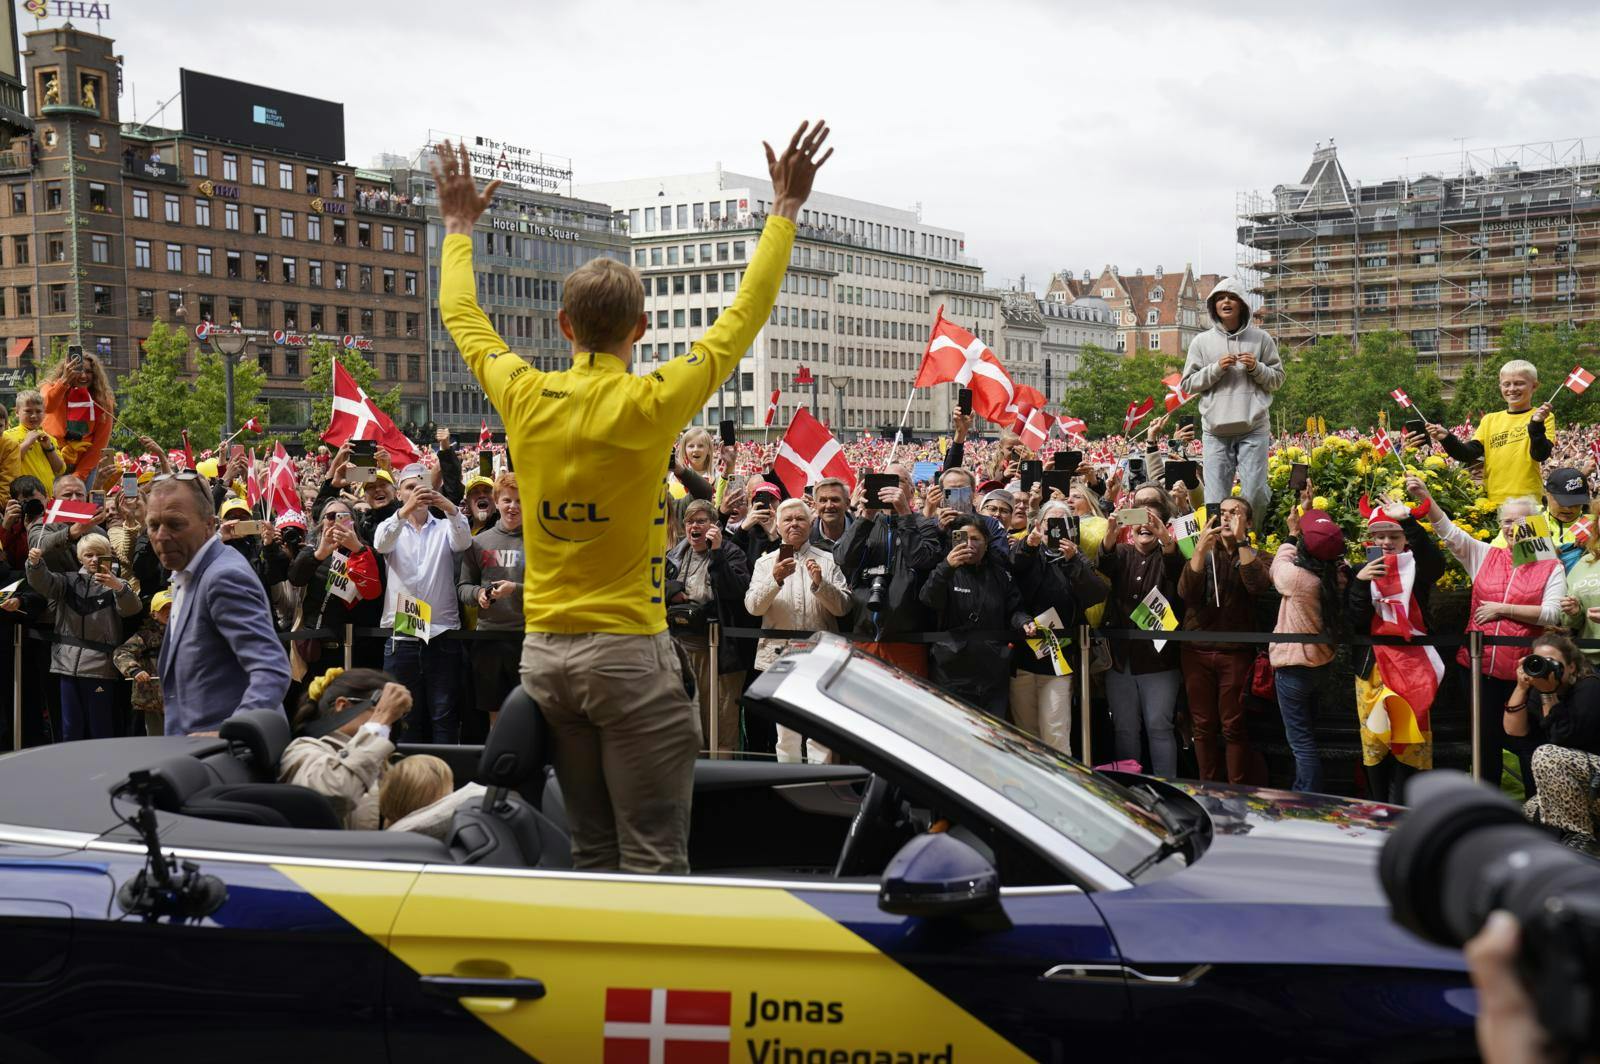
484 438
252 482
1073 426
1176 396
64 511
1399 395
1381 443
1137 412
656 1026
808 453
1582 530
1034 428
253 425
955 356
356 417
772 406
1579 380
282 496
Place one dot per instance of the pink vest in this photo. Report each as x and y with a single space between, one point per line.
1499 581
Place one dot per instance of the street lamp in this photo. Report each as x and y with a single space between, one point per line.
839 387
231 342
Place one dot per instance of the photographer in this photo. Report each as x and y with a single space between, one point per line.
757 533
798 588
707 577
1053 574
884 556
26 505
973 596
1556 706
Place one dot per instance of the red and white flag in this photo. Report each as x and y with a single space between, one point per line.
955 356
252 481
1137 412
188 451
1176 396
1023 399
282 494
253 425
64 511
808 453
1594 451
1073 426
484 437
658 1026
1381 443
1582 530
772 406
1034 428
1399 395
1579 380
356 417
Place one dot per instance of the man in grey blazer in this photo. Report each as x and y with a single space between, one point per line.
221 654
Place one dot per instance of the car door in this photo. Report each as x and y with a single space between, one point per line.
501 964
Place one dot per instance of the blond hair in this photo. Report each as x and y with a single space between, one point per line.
414 783
94 543
697 433
603 301
1521 367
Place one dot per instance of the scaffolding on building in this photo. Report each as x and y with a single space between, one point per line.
1445 259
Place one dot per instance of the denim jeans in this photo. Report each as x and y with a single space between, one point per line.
1297 701
432 672
1245 455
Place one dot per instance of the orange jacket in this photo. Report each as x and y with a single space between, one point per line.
81 456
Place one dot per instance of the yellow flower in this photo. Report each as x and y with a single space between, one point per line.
1363 466
1434 461
1320 503
1237 490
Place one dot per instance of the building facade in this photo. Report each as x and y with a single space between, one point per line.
858 301
524 245
107 227
1444 260
1150 312
1068 329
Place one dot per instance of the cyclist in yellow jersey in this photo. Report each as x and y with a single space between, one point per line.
590 445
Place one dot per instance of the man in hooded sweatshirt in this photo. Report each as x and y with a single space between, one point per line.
1234 368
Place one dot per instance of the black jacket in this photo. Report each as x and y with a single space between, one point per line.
966 602
1574 722
1430 565
903 549
319 609
730 579
1048 581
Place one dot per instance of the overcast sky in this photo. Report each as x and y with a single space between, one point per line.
1053 133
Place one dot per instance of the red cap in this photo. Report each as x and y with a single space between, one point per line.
1322 537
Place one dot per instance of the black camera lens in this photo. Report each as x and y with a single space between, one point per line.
1537 666
875 596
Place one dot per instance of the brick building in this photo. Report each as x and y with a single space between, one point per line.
1444 260
1149 312
105 227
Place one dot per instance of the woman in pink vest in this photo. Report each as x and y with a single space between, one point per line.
1507 600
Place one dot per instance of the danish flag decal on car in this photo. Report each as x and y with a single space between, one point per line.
657 1026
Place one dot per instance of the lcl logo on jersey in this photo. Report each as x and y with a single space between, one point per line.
572 521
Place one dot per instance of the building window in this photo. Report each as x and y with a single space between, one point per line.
314 182
410 242
100 297
1153 340
263 268
202 261
141 254
286 176
230 166
1478 289
19 199
55 247
97 196
141 203
338 231
201 161
314 228
202 212
365 278
146 302
388 238
413 367
1521 288
364 235
24 301
234 270
174 210
366 321
230 216
1478 338
259 214
175 258
314 273
341 320
1374 295
1425 293
291 362
411 282
52 196
258 171
289 268
341 275
1426 341
286 224
391 322
58 298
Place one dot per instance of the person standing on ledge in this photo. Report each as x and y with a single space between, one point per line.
590 445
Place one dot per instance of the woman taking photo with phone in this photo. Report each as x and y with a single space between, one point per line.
706 580
1555 706
79 408
343 582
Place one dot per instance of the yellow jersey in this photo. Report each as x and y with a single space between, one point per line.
35 463
1508 469
590 446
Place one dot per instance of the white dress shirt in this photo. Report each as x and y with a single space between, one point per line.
182 578
422 565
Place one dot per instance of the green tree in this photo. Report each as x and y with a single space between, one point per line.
1105 382
1313 378
1384 361
153 399
319 385
1477 391
205 408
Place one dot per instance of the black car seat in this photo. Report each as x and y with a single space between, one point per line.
505 830
257 737
183 786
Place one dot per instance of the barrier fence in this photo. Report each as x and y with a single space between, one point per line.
1474 642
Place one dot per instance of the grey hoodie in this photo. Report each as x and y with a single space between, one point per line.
495 554
1233 401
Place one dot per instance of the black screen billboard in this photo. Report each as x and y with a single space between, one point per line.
269 118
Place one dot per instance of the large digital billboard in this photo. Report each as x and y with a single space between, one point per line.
269 118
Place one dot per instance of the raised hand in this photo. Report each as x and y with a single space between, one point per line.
460 202
792 173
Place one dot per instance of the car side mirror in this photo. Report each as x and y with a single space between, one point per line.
937 875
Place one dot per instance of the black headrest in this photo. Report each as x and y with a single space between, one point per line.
176 780
262 733
266 804
514 752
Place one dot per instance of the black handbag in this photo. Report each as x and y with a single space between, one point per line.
691 618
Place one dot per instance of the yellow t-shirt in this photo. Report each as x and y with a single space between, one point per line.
590 447
1508 469
35 463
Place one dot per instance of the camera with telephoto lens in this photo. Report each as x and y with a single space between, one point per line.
1464 851
876 594
1539 667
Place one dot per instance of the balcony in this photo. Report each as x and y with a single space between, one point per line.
15 162
387 208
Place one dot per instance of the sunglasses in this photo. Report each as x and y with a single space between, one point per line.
182 476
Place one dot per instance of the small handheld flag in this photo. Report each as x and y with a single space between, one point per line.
1176 396
1579 380
1137 412
484 437
64 511
772 406
1399 395
1073 426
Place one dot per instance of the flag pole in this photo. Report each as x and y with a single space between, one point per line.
911 395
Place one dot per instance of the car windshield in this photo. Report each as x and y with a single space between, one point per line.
1096 813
